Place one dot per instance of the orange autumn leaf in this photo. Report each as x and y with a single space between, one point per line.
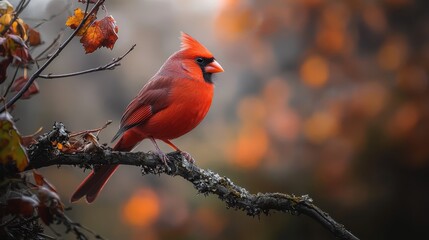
110 30
74 21
101 33
60 146
34 37
92 39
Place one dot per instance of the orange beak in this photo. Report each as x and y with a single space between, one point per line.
214 67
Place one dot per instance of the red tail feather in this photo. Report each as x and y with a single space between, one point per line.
95 181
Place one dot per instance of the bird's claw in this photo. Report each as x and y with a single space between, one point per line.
163 158
187 156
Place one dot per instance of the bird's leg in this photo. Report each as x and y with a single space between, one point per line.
161 155
186 155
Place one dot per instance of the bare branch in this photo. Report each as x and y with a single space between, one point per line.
97 130
57 52
109 66
206 182
11 82
45 20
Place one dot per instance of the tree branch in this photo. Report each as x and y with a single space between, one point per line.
109 66
45 20
42 154
48 48
11 82
54 55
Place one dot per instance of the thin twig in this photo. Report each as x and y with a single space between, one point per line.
109 66
76 227
44 20
21 6
91 131
45 236
53 43
8 222
11 82
57 52
54 231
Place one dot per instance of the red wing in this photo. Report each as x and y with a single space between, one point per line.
150 100
140 114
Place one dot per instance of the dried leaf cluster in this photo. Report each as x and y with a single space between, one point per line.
94 34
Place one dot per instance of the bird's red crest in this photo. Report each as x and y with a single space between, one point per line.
193 47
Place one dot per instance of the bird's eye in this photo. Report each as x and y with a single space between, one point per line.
199 60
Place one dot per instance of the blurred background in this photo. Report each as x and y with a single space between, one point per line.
319 97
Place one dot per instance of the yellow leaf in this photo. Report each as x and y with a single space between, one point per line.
18 28
74 21
5 20
5 7
11 150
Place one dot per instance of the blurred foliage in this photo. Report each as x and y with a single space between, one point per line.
323 97
341 86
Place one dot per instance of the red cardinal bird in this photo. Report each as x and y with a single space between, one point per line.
171 104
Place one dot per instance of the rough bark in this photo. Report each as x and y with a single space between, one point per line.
42 154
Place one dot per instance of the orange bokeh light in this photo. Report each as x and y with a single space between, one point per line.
315 71
251 110
331 40
374 17
320 127
251 144
250 147
142 209
234 20
209 221
403 120
392 54
369 100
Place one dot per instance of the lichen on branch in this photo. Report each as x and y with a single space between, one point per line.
43 154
